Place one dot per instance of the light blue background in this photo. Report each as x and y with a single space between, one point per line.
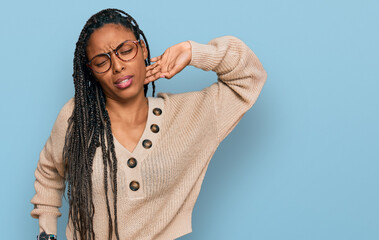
302 163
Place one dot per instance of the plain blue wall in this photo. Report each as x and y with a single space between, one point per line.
301 164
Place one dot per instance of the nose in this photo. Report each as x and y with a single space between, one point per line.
117 65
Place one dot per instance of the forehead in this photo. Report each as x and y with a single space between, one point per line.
108 37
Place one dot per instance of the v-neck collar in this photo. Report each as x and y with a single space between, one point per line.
155 105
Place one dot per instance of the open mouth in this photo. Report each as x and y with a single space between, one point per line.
124 82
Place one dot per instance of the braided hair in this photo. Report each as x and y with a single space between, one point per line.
89 127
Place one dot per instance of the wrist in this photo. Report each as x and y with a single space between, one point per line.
44 236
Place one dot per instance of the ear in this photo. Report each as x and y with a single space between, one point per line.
144 49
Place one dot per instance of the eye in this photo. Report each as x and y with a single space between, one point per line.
100 64
124 52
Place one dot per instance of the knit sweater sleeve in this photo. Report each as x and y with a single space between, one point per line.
49 175
240 78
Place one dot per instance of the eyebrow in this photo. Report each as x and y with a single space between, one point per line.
118 46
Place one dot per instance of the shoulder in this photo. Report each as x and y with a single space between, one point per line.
65 113
68 107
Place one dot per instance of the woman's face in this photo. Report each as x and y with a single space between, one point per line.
106 39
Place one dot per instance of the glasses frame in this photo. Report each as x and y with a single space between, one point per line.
108 54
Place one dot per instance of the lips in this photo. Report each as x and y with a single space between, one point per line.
124 82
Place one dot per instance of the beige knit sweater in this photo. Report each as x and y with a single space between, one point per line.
170 172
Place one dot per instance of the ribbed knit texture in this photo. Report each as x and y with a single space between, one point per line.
171 172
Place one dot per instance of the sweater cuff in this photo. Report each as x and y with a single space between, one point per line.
47 218
204 56
48 223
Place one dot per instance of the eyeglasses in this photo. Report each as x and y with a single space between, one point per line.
126 51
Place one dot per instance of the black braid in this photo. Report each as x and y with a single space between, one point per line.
89 127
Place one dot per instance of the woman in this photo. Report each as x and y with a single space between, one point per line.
133 164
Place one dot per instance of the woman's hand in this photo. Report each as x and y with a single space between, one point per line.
171 62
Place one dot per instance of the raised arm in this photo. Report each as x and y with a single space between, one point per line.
240 78
49 183
240 75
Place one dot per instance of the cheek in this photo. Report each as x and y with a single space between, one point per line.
104 79
140 65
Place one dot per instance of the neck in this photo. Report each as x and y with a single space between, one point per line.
133 111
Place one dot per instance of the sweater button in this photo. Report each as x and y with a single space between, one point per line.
157 111
134 185
154 128
132 162
147 143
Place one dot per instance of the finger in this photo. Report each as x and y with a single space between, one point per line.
154 59
149 79
152 71
150 67
155 70
156 67
152 78
154 74
153 65
149 73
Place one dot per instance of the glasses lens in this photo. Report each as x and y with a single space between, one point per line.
127 51
100 63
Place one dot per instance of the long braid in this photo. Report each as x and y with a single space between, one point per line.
101 105
89 127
